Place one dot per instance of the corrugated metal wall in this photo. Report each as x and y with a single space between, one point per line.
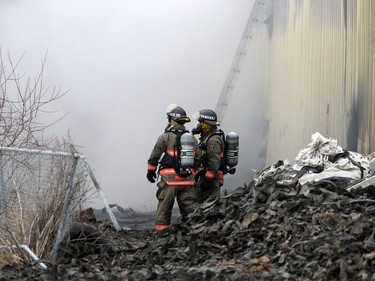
321 75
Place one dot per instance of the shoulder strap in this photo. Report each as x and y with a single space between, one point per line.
177 147
217 132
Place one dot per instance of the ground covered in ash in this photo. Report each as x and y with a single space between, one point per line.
265 232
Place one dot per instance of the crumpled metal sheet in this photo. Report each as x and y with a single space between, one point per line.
315 163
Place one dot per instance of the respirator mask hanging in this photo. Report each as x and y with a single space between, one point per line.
197 129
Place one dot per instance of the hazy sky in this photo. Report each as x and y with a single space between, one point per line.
124 62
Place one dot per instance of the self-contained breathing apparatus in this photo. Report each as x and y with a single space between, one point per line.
231 149
182 159
232 142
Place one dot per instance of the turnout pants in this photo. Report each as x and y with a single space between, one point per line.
166 194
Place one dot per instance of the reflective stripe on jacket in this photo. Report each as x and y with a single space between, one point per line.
166 143
171 178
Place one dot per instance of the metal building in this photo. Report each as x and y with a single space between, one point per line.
309 68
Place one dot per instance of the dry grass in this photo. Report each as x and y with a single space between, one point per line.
36 188
33 186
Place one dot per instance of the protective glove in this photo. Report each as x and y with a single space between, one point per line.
205 184
151 176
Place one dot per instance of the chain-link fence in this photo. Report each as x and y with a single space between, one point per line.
39 191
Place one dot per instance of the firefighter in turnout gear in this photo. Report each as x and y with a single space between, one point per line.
211 148
168 160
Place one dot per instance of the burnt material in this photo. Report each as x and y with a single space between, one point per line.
265 232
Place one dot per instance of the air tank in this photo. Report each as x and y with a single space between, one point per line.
231 149
187 150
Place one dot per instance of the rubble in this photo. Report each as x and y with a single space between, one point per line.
274 228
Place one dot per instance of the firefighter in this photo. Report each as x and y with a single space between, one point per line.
175 181
211 146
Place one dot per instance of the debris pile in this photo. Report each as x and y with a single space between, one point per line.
291 223
287 224
321 232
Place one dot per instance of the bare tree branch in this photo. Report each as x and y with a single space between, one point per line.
22 101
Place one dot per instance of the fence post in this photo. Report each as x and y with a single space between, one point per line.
3 193
107 208
61 232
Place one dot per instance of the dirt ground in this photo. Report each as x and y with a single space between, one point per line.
317 232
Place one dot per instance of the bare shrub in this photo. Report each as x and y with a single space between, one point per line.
35 187
37 196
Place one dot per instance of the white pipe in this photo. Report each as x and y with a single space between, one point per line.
30 252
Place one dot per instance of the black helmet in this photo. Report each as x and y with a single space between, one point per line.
209 116
177 113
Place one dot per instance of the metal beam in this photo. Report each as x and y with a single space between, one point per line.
235 68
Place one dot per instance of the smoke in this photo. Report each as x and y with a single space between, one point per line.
123 62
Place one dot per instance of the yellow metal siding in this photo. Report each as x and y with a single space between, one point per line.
321 75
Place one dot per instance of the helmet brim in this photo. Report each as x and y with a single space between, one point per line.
213 123
183 119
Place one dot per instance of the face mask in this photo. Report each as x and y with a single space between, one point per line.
197 129
206 127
